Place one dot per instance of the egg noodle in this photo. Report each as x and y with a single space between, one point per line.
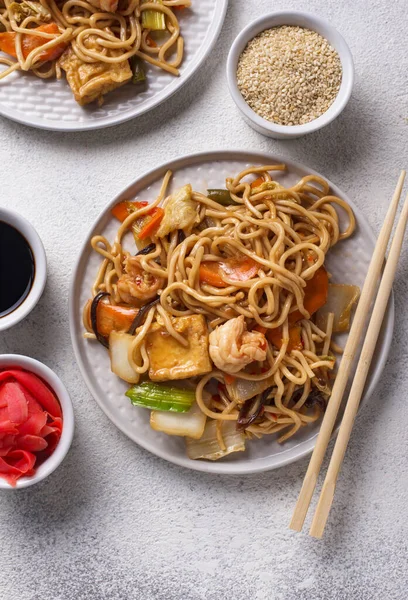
118 27
287 232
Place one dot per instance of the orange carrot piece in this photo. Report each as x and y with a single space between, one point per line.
30 42
229 379
259 181
295 339
316 291
8 43
114 318
123 209
210 273
152 225
239 268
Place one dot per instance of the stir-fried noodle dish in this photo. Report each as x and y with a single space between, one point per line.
221 317
99 44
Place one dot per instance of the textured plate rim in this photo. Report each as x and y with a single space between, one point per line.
212 35
269 463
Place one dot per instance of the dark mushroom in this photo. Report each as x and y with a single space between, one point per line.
150 248
252 409
94 320
141 315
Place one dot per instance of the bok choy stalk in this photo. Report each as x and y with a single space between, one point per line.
119 347
341 299
242 390
190 424
208 447
161 397
153 19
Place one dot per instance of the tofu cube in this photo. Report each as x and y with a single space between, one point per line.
91 81
169 359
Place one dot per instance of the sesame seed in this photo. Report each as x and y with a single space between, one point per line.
289 75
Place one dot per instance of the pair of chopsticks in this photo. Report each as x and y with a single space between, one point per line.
363 307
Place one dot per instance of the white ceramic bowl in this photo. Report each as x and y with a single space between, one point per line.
40 274
56 458
300 19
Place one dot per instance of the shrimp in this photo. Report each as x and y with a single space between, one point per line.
137 286
106 5
232 347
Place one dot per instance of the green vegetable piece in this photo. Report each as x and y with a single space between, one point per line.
221 196
153 19
161 397
139 75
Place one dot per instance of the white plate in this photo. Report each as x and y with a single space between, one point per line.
348 262
50 104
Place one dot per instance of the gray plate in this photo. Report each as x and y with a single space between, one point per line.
348 262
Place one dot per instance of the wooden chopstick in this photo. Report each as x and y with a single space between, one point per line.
373 331
356 330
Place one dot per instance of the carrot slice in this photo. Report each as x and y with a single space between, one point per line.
210 273
152 225
257 182
239 268
8 43
114 318
295 340
316 291
30 42
229 379
123 209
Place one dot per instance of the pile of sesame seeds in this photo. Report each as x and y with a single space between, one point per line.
289 75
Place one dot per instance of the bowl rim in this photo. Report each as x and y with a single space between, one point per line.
52 462
301 19
24 227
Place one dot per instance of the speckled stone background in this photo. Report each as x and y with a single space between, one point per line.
117 523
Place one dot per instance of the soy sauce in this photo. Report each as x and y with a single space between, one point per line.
17 268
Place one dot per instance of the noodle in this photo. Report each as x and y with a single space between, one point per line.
98 31
285 234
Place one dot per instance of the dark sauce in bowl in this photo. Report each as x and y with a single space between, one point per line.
17 268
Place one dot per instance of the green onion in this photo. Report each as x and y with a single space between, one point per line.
161 397
221 196
139 76
153 19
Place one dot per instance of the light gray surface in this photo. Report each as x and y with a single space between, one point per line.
116 523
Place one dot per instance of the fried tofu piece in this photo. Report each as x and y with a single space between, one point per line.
169 359
91 81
